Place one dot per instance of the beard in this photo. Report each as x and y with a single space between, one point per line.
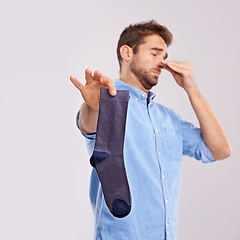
144 76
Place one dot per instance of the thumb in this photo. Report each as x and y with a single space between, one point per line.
76 83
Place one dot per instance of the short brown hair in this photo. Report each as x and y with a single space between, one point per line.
134 35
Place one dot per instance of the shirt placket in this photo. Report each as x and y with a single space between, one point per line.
158 136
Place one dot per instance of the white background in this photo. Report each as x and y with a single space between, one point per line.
44 168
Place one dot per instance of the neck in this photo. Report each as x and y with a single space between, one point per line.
129 78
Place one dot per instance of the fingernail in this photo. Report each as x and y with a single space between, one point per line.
113 92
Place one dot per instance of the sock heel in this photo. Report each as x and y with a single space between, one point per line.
98 157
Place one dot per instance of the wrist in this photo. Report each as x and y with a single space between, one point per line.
192 91
91 108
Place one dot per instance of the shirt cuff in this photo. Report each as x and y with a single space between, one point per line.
90 136
207 155
77 118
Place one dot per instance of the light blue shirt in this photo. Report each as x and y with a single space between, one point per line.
156 138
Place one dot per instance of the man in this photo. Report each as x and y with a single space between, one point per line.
155 138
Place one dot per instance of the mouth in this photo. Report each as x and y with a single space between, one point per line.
156 72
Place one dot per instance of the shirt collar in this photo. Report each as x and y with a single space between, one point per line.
134 92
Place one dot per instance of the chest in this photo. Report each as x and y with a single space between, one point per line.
150 129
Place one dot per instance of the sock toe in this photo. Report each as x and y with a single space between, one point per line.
120 208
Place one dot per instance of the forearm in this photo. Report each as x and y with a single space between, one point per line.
211 128
88 119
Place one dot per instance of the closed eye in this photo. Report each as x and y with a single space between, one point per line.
157 51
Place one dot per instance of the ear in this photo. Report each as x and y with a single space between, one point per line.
126 53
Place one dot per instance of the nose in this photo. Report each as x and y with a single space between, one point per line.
160 64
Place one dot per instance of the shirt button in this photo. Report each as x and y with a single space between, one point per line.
166 201
156 131
163 176
136 99
143 95
167 224
159 154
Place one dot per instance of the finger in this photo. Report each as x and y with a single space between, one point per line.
88 75
175 67
76 83
176 63
170 70
97 75
183 65
109 84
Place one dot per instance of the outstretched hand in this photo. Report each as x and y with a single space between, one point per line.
91 90
182 74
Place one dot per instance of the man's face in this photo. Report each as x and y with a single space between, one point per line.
146 64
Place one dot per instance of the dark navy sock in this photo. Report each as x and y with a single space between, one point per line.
107 156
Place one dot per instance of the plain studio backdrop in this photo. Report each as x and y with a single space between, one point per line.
44 168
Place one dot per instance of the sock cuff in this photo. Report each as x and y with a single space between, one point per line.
122 95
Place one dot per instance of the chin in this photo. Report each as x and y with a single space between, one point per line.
151 84
149 81
154 82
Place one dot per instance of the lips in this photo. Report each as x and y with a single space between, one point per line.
156 72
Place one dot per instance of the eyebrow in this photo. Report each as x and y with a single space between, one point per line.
160 50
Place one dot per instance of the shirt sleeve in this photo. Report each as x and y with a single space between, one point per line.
89 138
193 143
